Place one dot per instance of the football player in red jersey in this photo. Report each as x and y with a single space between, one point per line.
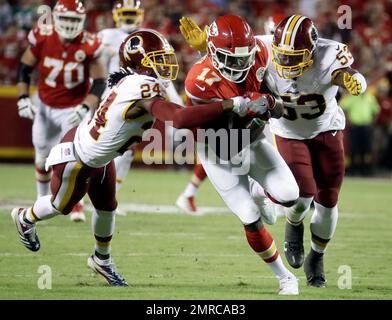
186 201
83 162
236 63
66 57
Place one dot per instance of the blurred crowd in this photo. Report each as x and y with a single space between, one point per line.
369 39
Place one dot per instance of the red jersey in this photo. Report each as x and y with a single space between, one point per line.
205 84
63 69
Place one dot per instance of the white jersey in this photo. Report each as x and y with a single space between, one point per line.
310 100
111 40
109 134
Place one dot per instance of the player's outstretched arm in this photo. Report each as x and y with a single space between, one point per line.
350 79
195 116
193 35
26 109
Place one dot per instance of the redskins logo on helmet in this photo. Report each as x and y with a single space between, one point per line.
133 46
295 40
128 15
147 52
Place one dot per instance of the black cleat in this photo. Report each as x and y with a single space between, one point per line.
314 270
294 245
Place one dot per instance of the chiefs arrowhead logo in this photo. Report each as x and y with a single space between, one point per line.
80 55
213 30
260 74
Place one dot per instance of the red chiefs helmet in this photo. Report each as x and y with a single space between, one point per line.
271 23
128 15
147 52
231 47
69 17
295 40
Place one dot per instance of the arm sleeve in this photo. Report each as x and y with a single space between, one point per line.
189 117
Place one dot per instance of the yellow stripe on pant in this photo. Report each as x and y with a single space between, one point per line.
71 186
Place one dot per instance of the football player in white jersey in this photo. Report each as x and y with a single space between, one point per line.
83 162
308 71
128 16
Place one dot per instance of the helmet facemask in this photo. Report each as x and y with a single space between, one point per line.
290 63
69 25
128 19
163 62
233 66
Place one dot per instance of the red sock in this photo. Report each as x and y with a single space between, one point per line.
199 175
263 244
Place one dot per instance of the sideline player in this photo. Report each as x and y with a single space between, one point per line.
66 57
128 16
235 64
83 162
308 71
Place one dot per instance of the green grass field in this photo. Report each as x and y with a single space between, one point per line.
178 256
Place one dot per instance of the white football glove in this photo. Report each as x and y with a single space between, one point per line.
26 108
255 108
78 114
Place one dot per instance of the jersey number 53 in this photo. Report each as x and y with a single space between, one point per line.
316 102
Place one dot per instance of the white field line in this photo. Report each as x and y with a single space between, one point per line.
132 208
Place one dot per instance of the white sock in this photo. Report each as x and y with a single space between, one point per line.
297 212
323 225
190 190
103 227
123 164
278 268
43 209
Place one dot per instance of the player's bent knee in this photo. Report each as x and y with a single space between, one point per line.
248 212
253 226
328 197
287 197
110 206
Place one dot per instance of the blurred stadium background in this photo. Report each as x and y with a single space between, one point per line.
369 40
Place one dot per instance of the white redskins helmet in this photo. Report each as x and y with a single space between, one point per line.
69 17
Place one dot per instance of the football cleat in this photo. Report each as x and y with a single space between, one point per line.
77 213
186 204
314 270
288 285
27 232
294 245
107 271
